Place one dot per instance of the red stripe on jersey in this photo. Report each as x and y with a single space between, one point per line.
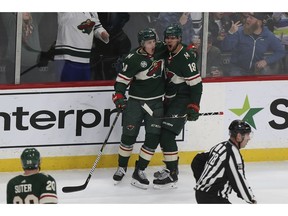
124 77
126 149
147 152
193 77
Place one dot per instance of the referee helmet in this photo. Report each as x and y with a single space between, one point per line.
239 126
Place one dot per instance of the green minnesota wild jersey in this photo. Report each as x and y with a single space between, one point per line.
37 188
143 74
183 78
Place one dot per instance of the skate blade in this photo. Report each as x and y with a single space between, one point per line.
116 182
137 184
171 185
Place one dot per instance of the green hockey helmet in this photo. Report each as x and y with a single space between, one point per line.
173 30
146 34
239 126
30 159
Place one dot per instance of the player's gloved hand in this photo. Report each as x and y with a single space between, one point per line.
192 112
119 101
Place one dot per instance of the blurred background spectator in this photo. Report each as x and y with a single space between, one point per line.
137 22
106 57
250 45
281 26
183 19
40 32
214 60
219 25
33 62
197 21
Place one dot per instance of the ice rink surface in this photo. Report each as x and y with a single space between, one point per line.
269 182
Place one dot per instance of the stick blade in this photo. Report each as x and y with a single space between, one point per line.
70 189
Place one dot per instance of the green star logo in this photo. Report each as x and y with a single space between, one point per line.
250 112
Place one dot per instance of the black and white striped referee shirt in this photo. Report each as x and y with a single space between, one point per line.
223 172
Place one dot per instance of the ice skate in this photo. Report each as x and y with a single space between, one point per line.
165 180
119 174
159 173
139 179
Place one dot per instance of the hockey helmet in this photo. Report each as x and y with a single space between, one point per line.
30 159
173 30
146 34
239 126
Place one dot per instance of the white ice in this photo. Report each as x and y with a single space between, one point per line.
268 180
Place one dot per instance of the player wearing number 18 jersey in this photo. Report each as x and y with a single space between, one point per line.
32 187
182 96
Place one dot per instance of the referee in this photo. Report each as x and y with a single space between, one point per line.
224 169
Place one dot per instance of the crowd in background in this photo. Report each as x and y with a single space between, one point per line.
40 32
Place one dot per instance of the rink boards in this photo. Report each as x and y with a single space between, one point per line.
69 124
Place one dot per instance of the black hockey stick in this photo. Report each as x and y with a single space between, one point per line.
150 112
29 69
69 189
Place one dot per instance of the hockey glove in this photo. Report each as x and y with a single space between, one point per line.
192 112
119 101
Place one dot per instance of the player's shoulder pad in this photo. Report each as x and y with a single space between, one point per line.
133 58
189 53
46 175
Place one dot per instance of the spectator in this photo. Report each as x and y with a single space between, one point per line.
214 62
32 187
183 19
281 27
221 170
241 16
74 43
197 20
31 49
219 24
138 22
249 44
105 57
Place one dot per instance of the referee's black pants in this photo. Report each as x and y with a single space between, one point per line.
209 198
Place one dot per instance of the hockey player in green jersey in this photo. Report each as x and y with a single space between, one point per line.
32 187
183 94
143 73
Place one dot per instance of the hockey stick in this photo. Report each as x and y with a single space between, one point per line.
29 69
150 112
69 189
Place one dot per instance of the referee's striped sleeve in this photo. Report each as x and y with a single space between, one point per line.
237 178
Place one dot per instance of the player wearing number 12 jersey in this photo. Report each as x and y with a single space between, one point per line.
32 187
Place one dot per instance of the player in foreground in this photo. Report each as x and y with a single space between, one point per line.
32 187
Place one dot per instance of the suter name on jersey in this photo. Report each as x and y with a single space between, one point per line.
23 188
